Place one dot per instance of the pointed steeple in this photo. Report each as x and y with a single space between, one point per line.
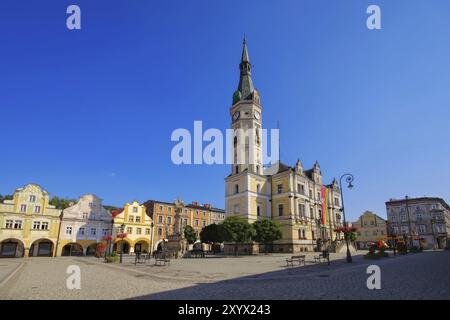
244 57
245 89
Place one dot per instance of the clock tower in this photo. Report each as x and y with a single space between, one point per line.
247 188
246 121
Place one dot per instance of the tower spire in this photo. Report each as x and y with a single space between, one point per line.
245 88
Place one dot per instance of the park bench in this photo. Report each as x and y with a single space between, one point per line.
325 256
162 260
301 259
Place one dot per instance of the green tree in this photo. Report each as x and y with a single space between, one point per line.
212 234
266 231
61 203
5 197
237 229
189 234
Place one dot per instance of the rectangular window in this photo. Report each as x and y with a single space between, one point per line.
138 219
336 202
130 219
138 230
36 225
310 193
93 231
311 213
32 198
394 218
160 219
85 216
204 213
81 231
129 230
9 224
68 231
395 229
160 208
196 222
135 209
280 188
404 229
301 210
37 209
280 209
147 231
204 223
403 217
419 216
44 225
159 232
18 224
105 232
258 210
421 228
23 208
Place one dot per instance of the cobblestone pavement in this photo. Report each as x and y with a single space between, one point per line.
415 276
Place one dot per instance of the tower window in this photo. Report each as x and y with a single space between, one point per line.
236 188
236 170
258 188
258 210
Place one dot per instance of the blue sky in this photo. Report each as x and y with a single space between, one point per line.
92 111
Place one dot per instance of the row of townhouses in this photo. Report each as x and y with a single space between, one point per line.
31 227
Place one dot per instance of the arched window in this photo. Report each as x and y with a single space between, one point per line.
258 188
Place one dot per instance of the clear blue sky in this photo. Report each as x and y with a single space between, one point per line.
92 111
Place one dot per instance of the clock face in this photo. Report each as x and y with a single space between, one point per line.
236 115
257 115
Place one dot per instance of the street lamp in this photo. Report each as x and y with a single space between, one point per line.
349 179
122 230
151 238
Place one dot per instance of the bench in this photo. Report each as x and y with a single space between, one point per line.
325 255
290 261
161 260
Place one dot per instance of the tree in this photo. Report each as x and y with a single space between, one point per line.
237 229
189 234
266 231
212 234
61 203
5 197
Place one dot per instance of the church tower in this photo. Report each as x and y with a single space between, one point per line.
246 121
246 187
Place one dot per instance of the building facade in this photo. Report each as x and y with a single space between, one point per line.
29 224
370 228
307 209
138 226
195 215
423 222
83 226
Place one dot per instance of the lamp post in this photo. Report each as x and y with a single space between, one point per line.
349 179
122 230
151 238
